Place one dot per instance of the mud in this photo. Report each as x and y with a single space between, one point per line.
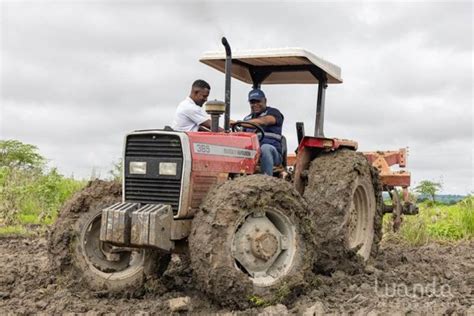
332 179
27 285
433 279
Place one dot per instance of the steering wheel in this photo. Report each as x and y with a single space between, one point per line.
237 127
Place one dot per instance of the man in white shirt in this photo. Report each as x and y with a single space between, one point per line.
190 115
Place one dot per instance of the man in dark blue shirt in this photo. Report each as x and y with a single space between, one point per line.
271 120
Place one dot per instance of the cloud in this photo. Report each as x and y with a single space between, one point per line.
76 76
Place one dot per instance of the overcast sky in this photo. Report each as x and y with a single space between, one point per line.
76 76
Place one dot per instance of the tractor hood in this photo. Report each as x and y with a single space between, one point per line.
275 66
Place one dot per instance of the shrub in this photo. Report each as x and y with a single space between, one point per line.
33 196
29 192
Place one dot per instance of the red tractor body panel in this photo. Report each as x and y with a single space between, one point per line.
214 157
326 143
224 152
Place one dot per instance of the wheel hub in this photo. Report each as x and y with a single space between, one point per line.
265 246
261 246
105 258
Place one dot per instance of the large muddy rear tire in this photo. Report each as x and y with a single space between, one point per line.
76 251
344 196
249 242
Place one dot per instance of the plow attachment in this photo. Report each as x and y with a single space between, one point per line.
391 179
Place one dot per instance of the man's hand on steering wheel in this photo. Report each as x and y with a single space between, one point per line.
239 125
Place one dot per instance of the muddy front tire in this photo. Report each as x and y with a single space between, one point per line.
76 251
344 197
249 242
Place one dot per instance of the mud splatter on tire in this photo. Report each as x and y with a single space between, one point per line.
212 236
339 184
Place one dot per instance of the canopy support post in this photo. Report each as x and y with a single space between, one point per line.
319 123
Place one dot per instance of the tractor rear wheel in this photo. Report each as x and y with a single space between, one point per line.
249 242
344 196
76 251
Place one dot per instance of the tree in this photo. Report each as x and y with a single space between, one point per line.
15 154
429 188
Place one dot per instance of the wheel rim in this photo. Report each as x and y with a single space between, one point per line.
102 259
360 222
264 246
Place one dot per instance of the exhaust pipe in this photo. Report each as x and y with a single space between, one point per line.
228 71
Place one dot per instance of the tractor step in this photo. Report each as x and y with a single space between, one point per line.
133 224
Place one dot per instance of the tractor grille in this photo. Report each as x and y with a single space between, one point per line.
153 188
153 191
165 146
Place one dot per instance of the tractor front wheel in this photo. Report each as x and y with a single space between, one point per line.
249 242
76 251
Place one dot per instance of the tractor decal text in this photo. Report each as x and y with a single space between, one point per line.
208 149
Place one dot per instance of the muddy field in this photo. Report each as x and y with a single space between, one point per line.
433 279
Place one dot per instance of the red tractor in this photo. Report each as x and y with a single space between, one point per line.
247 235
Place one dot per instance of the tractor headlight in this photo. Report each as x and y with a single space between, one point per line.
137 167
168 168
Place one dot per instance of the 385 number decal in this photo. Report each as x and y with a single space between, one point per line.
202 148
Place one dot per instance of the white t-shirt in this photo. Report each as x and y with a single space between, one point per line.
189 116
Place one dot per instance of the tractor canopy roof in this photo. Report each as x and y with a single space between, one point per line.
276 66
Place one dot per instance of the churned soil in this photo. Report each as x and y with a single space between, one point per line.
432 279
401 279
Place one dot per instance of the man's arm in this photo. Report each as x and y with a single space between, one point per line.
206 123
267 120
199 117
206 126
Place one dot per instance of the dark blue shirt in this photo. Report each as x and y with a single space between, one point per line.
274 131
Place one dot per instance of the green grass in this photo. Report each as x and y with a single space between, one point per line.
257 301
436 222
15 231
30 199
